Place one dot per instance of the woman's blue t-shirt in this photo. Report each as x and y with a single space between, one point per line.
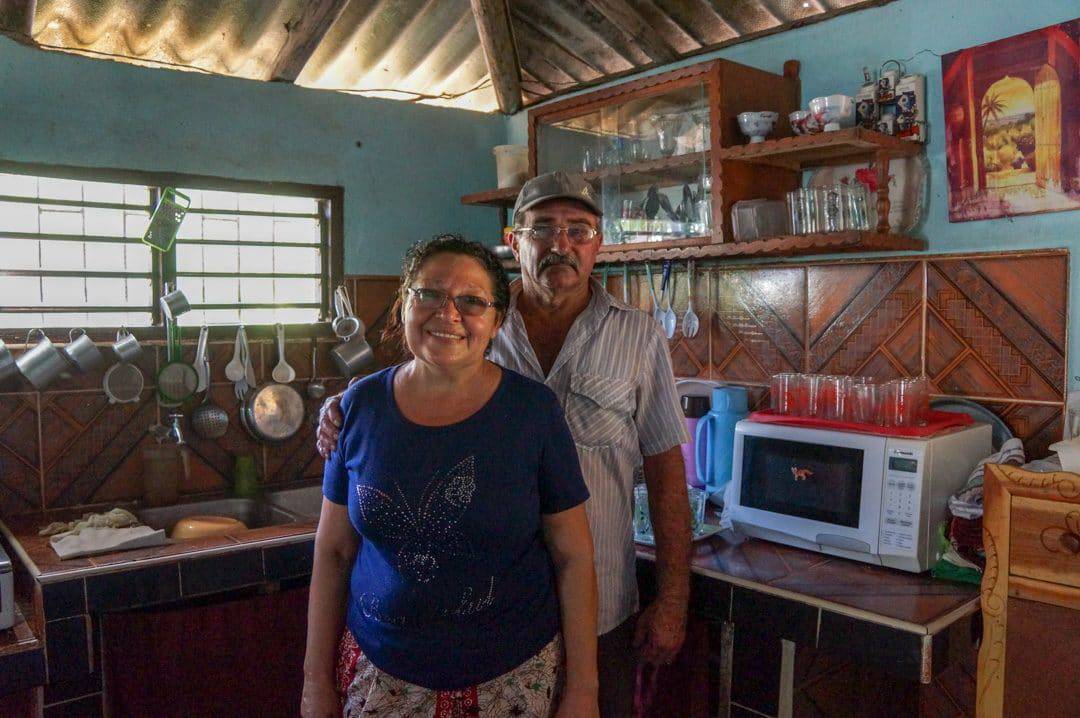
453 584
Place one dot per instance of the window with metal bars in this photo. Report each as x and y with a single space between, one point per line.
71 253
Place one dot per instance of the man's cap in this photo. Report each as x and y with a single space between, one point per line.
556 185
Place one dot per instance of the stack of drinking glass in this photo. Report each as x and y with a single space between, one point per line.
857 399
836 208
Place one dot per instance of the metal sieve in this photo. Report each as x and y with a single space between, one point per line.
123 383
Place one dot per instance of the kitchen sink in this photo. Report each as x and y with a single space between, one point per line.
254 513
306 502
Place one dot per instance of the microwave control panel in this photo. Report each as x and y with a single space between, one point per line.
900 498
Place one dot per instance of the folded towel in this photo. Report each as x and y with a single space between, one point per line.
102 539
967 503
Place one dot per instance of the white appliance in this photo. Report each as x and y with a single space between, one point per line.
867 497
7 592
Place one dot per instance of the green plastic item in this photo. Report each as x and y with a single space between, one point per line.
165 222
245 478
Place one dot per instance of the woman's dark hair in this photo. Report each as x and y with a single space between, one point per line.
394 331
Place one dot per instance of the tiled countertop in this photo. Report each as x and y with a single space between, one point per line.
909 602
45 566
22 657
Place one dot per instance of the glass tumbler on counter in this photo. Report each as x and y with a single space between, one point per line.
787 394
905 402
642 522
832 396
863 400
811 387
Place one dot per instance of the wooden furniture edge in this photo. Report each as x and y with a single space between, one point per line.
1000 484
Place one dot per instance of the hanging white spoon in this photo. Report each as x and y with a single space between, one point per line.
690 321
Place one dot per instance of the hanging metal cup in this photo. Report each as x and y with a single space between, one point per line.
126 347
8 368
352 356
82 352
345 324
174 302
42 364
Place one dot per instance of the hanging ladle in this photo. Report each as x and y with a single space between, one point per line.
669 321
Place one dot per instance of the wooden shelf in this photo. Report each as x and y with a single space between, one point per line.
666 171
781 246
825 148
493 197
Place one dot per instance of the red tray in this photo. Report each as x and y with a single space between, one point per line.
936 422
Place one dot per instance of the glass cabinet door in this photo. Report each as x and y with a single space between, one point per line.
649 159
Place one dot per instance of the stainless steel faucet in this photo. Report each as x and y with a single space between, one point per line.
175 434
172 434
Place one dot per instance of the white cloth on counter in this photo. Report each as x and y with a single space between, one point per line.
104 539
967 503
117 518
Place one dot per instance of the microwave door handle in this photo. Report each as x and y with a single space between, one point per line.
698 443
842 542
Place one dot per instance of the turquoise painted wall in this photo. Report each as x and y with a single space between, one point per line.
402 185
833 53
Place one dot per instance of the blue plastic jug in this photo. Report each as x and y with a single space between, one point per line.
716 437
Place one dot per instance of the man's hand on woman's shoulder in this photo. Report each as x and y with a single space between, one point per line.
329 425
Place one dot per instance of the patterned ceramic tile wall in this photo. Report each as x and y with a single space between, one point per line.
978 326
69 447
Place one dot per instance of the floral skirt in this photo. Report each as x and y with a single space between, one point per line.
528 691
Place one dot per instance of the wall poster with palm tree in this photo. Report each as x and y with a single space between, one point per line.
1012 124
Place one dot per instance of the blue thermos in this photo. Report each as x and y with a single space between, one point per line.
716 431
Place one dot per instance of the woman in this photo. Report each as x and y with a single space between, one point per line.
473 590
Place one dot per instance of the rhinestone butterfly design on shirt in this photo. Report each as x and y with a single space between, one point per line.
427 533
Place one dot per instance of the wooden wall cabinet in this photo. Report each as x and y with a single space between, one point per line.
668 159
1029 661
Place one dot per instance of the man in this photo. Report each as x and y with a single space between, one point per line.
608 364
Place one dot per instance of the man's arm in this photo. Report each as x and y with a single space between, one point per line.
662 626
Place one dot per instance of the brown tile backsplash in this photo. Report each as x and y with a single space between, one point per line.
977 325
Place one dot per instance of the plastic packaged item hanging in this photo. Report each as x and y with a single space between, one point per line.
165 222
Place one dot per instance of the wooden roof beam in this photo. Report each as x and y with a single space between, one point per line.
305 34
500 52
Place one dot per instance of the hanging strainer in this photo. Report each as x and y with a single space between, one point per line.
123 383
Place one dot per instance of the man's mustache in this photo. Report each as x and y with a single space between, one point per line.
553 259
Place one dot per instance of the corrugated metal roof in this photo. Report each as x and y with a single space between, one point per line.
420 50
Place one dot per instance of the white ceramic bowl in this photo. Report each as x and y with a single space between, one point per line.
834 112
803 122
756 125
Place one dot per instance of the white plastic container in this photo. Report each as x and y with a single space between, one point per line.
511 165
1069 453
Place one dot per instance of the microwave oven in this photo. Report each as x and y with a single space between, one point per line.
867 497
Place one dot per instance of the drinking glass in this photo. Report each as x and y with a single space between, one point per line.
863 400
856 207
808 203
787 394
697 508
830 208
832 397
642 524
796 217
811 388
